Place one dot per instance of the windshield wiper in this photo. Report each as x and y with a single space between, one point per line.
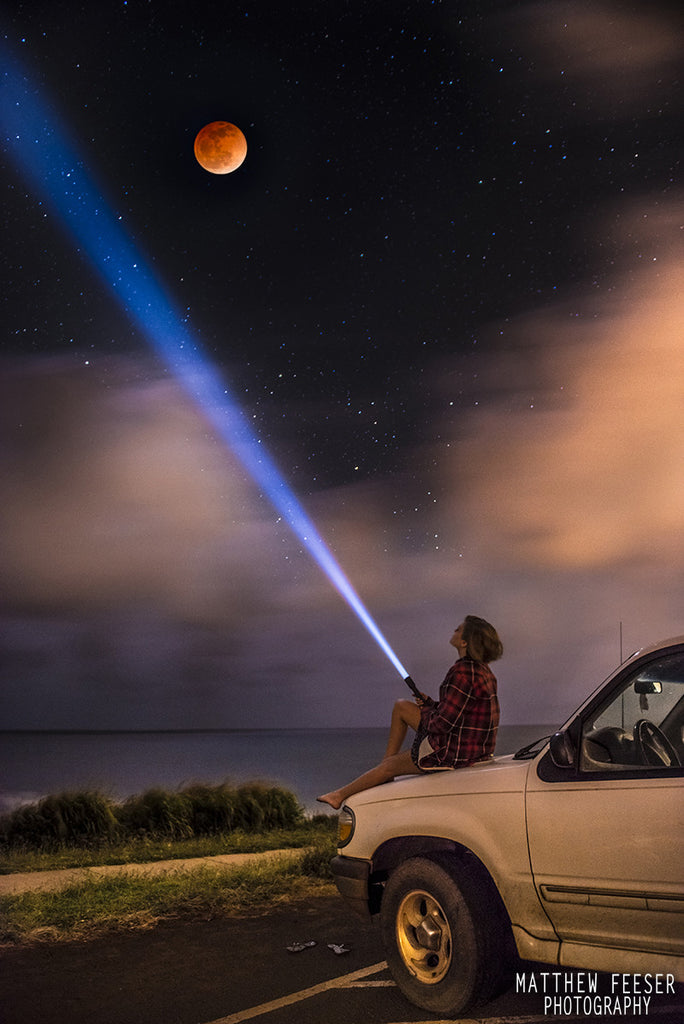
531 750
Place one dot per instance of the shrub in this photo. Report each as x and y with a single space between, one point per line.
249 807
74 819
90 819
157 813
316 861
260 807
212 808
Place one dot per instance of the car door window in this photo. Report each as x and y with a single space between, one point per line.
641 725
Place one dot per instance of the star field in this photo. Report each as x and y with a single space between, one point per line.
422 284
408 183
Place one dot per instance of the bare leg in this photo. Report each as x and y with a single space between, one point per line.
404 713
397 764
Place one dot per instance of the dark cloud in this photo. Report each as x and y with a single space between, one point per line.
555 511
116 492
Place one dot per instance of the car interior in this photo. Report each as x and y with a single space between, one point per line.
641 725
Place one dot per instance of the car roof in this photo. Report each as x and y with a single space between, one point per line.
650 648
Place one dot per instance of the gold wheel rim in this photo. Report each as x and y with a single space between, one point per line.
423 937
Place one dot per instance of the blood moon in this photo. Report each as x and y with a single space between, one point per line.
220 147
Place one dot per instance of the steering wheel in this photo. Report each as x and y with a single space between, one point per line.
653 746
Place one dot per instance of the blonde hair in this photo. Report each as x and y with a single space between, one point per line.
482 639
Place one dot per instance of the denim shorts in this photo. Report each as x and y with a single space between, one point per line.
420 749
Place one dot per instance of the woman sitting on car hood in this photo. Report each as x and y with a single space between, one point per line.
456 730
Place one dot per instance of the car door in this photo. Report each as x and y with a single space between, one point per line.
605 828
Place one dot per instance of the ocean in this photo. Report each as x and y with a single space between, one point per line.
306 761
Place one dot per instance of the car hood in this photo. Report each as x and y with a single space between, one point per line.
498 775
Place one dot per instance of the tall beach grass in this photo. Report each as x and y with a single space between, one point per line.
86 829
91 819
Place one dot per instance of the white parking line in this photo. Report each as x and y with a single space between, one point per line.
297 997
370 984
354 980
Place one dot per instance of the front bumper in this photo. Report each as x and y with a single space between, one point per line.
352 878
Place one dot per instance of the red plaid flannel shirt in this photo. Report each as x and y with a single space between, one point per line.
462 725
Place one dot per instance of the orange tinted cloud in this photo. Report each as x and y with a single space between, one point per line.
614 55
589 471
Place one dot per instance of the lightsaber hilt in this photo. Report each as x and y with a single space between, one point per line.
413 688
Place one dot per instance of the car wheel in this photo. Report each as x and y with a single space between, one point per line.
443 934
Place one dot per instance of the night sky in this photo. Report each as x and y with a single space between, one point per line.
447 288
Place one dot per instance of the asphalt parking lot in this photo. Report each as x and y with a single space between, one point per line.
225 971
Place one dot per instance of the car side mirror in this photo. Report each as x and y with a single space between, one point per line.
563 749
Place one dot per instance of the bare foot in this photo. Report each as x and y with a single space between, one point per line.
333 799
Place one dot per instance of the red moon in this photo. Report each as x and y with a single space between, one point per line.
220 147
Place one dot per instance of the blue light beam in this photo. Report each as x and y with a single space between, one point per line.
40 148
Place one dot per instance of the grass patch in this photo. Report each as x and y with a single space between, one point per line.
143 849
78 830
130 900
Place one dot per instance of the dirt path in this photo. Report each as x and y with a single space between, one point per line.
44 881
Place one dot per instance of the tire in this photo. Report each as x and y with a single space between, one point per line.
443 929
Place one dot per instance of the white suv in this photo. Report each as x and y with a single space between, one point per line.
568 852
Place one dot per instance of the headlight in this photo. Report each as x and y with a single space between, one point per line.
346 823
